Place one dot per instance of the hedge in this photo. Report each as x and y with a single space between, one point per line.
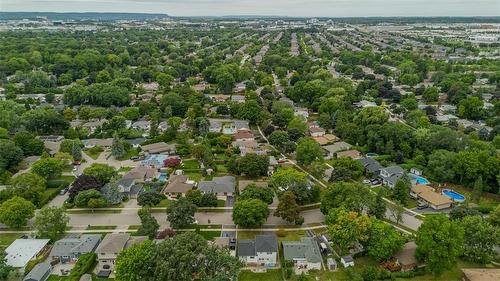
84 264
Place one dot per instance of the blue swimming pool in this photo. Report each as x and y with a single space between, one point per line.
419 179
162 177
453 195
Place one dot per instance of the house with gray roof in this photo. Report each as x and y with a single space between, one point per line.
304 254
68 250
40 272
221 186
263 251
371 165
391 175
332 149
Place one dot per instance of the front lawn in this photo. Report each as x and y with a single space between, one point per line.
94 152
7 238
209 235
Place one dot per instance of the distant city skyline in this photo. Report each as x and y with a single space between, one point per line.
293 8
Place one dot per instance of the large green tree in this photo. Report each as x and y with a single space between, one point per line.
16 212
48 167
308 151
384 240
180 213
439 243
352 196
288 209
102 172
346 228
480 239
149 225
50 222
250 213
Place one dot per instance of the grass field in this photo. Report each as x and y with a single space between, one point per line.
101 227
270 275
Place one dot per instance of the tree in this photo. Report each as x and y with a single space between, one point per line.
461 211
50 223
294 181
252 191
209 200
172 162
194 196
44 121
480 239
378 208
431 94
478 189
48 167
439 243
133 263
90 198
251 111
149 225
111 192
494 218
104 173
396 211
4 268
250 213
384 241
29 186
149 198
352 196
253 165
346 228
180 213
346 169
470 108
16 212
28 143
308 151
76 152
401 191
279 138
288 209
117 148
82 183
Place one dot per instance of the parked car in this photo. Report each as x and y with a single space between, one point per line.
282 160
366 181
63 191
375 182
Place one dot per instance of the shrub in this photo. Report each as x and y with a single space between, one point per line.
84 264
281 233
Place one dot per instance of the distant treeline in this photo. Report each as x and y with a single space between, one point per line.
80 16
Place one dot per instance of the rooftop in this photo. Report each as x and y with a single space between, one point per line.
21 251
306 249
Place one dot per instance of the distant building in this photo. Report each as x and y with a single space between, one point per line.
263 251
221 186
304 254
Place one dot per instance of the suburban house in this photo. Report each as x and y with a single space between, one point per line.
159 148
391 175
301 112
263 251
215 126
142 174
135 143
317 131
347 261
155 160
325 139
238 98
21 251
104 143
244 135
245 146
219 98
304 254
177 186
332 149
144 125
93 125
371 165
52 147
435 200
221 186
68 250
40 272
163 126
108 250
481 274
353 154
127 187
406 257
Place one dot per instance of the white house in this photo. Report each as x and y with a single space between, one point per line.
347 261
261 252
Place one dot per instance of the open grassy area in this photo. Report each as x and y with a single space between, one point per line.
270 275
62 180
7 238
124 169
164 203
130 153
221 203
210 235
190 164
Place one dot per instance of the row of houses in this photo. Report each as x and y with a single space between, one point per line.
67 251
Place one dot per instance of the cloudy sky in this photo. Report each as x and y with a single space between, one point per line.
327 8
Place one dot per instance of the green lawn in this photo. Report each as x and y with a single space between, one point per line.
210 235
190 164
270 275
124 169
221 203
164 203
131 153
101 227
7 238
62 180
196 176
94 152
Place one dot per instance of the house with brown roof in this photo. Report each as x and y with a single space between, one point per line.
108 250
316 131
159 148
244 135
406 257
435 200
178 185
481 274
141 174
325 139
353 154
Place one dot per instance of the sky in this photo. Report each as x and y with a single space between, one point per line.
294 8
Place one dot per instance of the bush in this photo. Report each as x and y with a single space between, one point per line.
84 264
281 233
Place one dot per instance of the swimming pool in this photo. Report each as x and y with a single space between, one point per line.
453 195
162 177
419 179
